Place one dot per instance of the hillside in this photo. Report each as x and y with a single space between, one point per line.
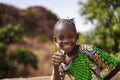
37 22
34 19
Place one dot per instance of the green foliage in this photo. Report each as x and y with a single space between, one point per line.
2 51
24 56
10 34
51 15
106 14
117 55
29 13
85 38
30 21
2 47
5 64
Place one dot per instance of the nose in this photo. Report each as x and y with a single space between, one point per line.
66 41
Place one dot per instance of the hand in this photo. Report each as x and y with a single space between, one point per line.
83 47
57 59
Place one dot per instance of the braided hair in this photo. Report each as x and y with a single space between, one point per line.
69 22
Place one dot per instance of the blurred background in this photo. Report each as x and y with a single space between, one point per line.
26 45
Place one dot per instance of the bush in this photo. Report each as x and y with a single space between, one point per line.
51 15
5 64
10 34
24 56
2 48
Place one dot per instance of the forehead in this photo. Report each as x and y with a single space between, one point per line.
65 27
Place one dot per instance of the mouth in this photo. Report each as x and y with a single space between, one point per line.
67 47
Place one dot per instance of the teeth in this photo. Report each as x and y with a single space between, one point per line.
67 46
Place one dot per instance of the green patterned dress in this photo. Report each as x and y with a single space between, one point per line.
81 68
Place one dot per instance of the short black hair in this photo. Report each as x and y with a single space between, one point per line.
66 22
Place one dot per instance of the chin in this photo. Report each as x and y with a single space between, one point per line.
67 50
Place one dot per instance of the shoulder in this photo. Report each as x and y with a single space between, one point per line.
90 50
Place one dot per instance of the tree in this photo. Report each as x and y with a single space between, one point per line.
106 15
10 34
24 56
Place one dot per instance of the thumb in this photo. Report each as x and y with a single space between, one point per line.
58 46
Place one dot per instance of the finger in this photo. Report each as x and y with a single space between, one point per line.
54 61
58 53
61 59
81 47
57 57
58 46
85 47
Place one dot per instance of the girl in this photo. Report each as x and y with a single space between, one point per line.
78 61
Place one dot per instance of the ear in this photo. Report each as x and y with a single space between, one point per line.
54 39
57 45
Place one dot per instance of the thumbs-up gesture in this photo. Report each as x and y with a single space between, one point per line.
58 56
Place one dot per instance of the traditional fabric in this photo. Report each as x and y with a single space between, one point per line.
80 68
89 56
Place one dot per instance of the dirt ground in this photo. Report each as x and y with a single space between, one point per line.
117 77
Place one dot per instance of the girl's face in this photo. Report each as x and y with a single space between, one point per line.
66 38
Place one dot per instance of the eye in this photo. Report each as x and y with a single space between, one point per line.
71 36
60 37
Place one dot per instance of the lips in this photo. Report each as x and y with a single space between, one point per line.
67 47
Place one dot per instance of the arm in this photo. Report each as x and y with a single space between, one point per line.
55 74
103 59
57 71
113 72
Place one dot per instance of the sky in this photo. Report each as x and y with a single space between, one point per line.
62 8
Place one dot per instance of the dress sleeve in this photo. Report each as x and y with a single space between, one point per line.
103 59
98 58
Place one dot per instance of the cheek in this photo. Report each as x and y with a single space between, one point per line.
74 40
59 42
